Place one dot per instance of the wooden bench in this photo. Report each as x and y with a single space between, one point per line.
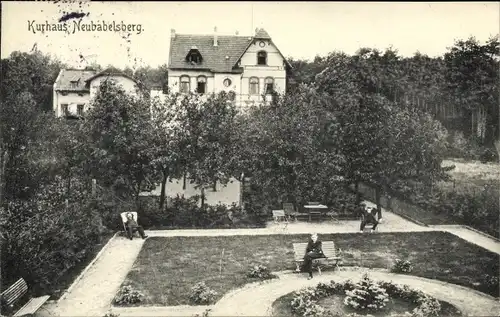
332 255
15 292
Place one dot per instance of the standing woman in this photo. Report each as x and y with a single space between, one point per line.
313 251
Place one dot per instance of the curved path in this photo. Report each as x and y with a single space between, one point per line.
256 299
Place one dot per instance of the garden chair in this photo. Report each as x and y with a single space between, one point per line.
123 215
290 211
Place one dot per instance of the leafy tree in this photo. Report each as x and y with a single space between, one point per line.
120 135
472 77
209 125
286 147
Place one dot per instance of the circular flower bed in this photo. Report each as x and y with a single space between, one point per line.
364 298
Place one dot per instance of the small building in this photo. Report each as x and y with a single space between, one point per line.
74 89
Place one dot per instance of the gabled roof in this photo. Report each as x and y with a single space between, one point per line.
110 71
214 57
262 34
222 58
66 76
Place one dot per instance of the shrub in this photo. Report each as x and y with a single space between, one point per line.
201 294
402 266
111 315
366 295
490 283
43 239
261 272
304 302
128 295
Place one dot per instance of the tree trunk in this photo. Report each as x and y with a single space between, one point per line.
356 190
163 189
137 192
202 197
184 180
3 164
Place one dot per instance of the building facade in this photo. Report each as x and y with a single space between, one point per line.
250 67
74 89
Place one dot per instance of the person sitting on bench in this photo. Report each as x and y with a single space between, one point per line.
131 225
369 218
313 251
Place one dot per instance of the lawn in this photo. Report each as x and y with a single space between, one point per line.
167 268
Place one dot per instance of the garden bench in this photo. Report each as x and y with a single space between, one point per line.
15 292
332 255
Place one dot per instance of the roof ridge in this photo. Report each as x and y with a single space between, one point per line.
231 35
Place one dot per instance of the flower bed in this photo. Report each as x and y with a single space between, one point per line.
364 298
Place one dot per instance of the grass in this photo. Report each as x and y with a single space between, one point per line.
281 307
167 268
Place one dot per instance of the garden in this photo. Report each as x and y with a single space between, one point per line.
365 297
200 270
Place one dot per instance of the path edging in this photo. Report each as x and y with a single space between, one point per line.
80 276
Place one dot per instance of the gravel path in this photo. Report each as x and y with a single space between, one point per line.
242 302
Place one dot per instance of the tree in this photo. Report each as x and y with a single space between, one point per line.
286 147
209 125
168 136
472 76
120 134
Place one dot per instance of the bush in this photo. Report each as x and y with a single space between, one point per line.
304 302
42 239
201 294
367 295
490 283
261 272
402 266
128 295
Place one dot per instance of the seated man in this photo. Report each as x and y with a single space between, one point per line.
369 218
313 251
131 224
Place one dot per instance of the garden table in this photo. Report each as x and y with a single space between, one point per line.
315 210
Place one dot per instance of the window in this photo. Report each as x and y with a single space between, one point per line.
194 56
254 86
184 85
202 84
64 109
261 58
74 84
227 82
269 85
79 109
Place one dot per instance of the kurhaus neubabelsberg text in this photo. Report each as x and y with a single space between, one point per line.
80 26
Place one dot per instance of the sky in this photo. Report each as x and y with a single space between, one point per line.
299 29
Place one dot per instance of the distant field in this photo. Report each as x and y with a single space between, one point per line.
472 174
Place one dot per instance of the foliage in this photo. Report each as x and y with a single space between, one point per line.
128 295
111 315
205 313
367 295
42 238
183 212
286 148
402 266
359 296
119 131
201 294
489 283
261 272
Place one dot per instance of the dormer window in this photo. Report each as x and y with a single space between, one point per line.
261 58
194 56
73 84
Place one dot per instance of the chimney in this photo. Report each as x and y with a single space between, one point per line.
172 33
215 36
